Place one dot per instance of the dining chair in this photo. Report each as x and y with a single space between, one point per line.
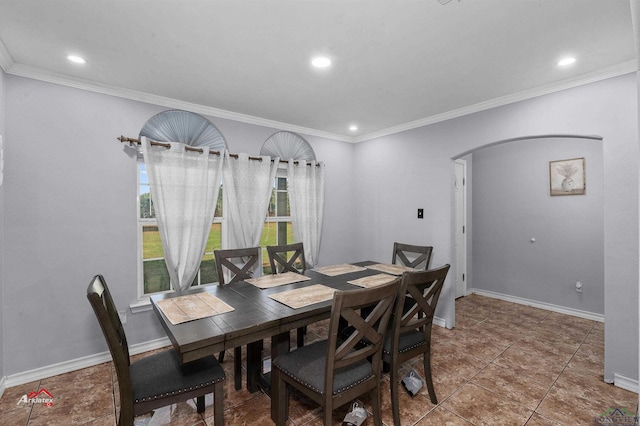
289 258
156 380
333 372
417 257
238 265
410 332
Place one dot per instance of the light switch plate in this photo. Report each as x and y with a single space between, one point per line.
420 213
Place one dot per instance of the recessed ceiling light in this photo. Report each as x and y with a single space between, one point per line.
353 127
76 59
566 61
321 62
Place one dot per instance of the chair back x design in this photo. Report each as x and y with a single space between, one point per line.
156 380
335 371
280 260
240 263
417 257
410 332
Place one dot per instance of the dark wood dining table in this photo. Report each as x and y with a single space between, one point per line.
255 317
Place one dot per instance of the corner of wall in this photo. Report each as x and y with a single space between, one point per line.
2 187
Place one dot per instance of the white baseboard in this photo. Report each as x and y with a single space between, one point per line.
439 321
626 383
548 306
74 364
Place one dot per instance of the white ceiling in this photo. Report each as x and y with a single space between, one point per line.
396 64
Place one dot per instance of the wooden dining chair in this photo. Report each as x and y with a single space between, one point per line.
417 257
156 380
410 332
334 372
289 258
239 264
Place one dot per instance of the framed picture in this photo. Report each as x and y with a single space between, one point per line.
567 177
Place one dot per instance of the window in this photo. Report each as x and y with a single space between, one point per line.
277 228
153 275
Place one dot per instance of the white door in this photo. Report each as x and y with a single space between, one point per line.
461 228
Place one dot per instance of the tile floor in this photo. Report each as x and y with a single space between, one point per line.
503 364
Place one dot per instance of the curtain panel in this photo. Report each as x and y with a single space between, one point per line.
306 198
184 188
248 185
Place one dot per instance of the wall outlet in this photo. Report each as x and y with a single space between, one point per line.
123 316
578 287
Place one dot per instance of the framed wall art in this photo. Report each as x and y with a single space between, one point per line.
567 177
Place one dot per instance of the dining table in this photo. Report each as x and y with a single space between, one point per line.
246 313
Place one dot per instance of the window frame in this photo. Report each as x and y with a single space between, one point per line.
222 220
281 173
142 222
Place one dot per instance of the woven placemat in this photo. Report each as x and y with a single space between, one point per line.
373 280
306 296
388 268
191 307
276 280
344 268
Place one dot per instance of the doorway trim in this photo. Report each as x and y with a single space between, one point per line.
461 228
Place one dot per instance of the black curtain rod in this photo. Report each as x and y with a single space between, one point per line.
125 139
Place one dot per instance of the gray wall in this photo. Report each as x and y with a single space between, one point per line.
72 199
401 172
512 204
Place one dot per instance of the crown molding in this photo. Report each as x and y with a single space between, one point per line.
36 73
614 71
64 80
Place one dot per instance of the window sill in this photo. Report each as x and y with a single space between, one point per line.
142 305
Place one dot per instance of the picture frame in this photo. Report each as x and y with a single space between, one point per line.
567 177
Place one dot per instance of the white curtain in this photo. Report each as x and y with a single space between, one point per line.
306 198
184 189
248 185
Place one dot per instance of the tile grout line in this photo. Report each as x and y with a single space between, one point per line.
560 374
528 333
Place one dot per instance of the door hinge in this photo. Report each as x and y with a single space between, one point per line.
462 277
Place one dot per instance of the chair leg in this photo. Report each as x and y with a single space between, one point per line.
427 377
395 398
375 406
328 415
218 404
237 367
200 404
279 398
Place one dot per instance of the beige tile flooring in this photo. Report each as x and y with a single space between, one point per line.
503 364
